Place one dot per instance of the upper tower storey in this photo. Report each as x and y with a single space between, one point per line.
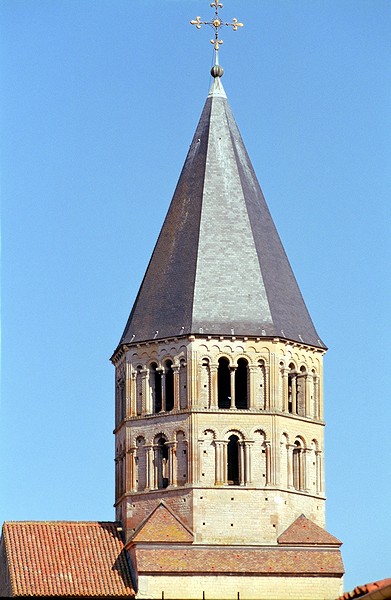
219 267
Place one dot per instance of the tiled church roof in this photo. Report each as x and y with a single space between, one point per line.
378 590
303 531
71 559
282 561
219 267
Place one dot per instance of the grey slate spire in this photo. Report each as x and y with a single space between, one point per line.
218 267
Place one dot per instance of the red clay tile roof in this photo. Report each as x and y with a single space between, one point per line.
304 531
73 559
198 559
377 590
162 526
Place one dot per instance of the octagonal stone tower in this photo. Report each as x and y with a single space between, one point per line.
219 396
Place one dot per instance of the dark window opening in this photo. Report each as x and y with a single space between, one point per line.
290 404
162 464
224 384
233 460
169 385
156 385
241 384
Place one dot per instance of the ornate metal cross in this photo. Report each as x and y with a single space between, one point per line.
217 24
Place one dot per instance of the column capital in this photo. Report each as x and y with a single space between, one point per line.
171 444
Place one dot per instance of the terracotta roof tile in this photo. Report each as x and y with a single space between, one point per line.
361 591
304 531
197 559
71 559
162 526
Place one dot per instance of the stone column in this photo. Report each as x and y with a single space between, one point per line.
289 449
149 467
148 394
133 394
163 383
128 389
225 462
267 387
144 389
294 394
155 467
116 462
221 462
198 472
284 374
241 464
307 383
268 463
304 470
317 414
247 461
213 386
172 464
131 477
175 369
192 376
318 471
232 381
218 463
252 396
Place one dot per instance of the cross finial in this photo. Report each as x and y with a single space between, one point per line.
217 24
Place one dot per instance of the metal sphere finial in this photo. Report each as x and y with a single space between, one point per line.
217 71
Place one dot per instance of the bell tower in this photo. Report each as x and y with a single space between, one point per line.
219 393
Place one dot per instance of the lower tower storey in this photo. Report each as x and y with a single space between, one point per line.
304 564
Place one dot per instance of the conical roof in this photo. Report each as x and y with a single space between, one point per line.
219 267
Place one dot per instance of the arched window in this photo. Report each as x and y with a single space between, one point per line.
224 383
169 385
233 460
162 464
298 466
241 384
155 384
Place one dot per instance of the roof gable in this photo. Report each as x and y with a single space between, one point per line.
163 526
303 531
79 559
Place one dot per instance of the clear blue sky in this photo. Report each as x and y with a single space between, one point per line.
99 103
